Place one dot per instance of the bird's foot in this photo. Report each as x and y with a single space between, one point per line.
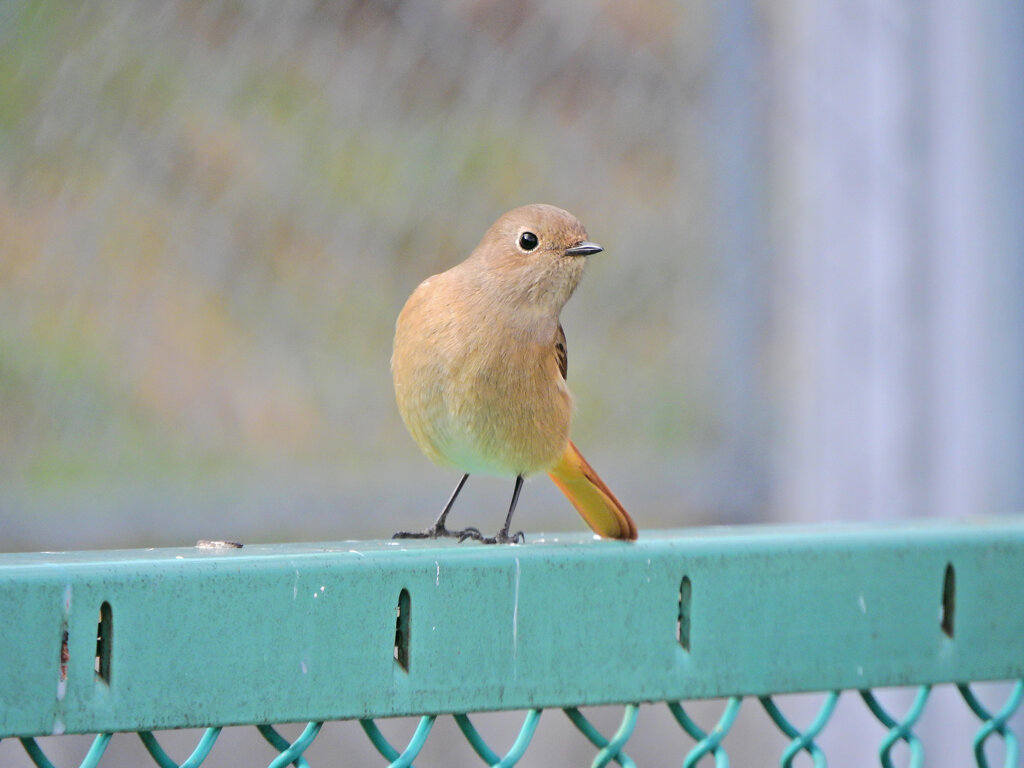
440 532
433 532
501 537
516 538
471 533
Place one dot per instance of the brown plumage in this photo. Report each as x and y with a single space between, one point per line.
480 362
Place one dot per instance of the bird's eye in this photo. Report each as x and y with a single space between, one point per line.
528 241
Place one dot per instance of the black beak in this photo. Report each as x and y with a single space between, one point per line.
586 248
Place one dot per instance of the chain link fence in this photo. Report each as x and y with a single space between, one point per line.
904 628
713 744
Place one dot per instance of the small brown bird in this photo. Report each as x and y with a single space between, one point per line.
480 363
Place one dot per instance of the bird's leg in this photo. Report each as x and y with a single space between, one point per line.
517 538
438 529
502 536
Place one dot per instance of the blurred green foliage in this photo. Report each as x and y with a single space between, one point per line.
211 213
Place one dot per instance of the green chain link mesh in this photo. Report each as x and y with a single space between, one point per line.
612 750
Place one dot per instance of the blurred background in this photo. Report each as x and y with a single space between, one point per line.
809 308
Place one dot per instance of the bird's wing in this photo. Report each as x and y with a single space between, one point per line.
562 352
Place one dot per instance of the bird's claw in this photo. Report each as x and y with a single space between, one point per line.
439 532
469 533
434 532
411 535
501 537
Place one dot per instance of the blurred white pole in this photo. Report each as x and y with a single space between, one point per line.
978 221
900 249
741 253
850 244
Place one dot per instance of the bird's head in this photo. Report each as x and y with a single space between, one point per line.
535 253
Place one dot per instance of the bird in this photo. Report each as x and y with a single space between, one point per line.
480 364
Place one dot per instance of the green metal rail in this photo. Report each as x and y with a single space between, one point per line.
373 629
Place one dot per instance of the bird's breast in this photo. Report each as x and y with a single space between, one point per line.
479 392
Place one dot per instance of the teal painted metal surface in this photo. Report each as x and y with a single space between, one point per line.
309 632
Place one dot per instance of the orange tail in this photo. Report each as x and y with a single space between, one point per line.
594 501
